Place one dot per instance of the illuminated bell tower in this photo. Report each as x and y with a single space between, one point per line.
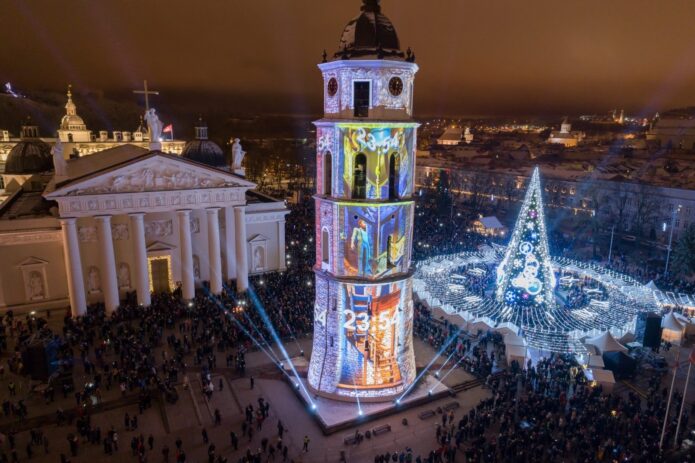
363 316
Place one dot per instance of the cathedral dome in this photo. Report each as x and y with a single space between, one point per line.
29 157
203 150
206 152
72 121
369 34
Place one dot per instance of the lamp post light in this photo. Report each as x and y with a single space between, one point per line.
676 210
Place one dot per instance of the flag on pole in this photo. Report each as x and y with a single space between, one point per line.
170 130
692 356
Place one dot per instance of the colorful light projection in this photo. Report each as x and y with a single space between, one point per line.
371 241
525 277
372 355
375 240
372 156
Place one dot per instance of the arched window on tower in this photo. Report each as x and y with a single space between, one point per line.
70 138
325 248
394 177
327 173
359 187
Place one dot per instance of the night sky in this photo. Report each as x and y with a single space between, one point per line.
476 56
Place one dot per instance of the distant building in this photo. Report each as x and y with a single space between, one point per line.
489 226
638 207
675 129
78 140
566 136
452 136
468 136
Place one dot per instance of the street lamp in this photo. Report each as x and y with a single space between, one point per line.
676 210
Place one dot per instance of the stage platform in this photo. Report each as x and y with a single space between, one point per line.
333 415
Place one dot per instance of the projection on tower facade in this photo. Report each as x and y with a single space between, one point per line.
364 219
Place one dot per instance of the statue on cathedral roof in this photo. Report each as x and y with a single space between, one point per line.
154 125
238 154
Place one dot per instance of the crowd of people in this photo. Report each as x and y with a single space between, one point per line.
143 352
548 412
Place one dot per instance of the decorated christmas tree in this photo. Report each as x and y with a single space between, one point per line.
525 277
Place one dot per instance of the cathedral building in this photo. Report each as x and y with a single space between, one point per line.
128 219
566 136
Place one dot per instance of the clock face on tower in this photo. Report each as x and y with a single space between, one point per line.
332 87
395 86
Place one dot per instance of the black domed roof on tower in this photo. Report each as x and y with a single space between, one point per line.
370 34
30 156
203 150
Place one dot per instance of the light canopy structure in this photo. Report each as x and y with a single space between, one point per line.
525 277
363 317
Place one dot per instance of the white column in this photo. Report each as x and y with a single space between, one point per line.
109 281
230 248
73 267
242 259
214 255
282 262
187 281
142 274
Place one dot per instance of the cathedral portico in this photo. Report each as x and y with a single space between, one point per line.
129 221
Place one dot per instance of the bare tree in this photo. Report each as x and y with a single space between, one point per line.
618 200
646 208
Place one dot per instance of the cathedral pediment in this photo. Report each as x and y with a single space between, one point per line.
31 261
152 173
160 246
259 238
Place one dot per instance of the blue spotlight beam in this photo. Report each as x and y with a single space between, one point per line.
453 367
260 347
289 327
266 319
357 396
444 364
429 365
260 335
239 325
